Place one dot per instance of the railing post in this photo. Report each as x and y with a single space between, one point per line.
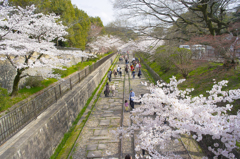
35 109
60 90
70 83
79 76
55 93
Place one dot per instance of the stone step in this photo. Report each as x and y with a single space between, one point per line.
99 138
95 147
94 154
104 122
100 132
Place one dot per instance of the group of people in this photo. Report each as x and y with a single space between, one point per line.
136 67
117 72
112 88
109 89
131 95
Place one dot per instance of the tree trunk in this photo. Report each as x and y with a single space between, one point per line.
16 82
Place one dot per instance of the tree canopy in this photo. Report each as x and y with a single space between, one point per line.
202 17
124 33
26 40
77 21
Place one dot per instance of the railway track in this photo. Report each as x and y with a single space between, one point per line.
96 132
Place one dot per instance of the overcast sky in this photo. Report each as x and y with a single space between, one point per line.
101 8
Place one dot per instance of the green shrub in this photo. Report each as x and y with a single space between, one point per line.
35 81
3 98
49 81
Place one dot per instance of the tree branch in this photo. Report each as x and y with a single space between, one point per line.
24 76
10 60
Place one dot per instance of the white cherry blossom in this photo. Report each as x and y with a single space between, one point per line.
168 112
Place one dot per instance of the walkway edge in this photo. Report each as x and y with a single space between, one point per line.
68 148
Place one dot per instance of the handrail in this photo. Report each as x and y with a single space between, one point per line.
15 120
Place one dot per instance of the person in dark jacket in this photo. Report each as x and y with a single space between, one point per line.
131 95
109 75
107 90
128 157
139 73
126 69
120 72
133 73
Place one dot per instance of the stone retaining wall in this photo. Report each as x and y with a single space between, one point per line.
155 76
40 138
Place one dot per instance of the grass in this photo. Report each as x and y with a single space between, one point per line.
80 66
147 74
64 148
201 77
25 93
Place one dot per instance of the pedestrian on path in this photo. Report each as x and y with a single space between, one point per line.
113 88
118 68
126 105
128 156
120 72
115 73
126 61
133 73
132 94
132 67
137 67
109 75
139 73
126 69
107 90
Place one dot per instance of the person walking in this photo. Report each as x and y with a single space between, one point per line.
115 73
126 69
118 68
128 156
107 90
111 73
126 105
109 76
133 73
131 95
137 67
120 72
132 67
113 88
139 73
126 61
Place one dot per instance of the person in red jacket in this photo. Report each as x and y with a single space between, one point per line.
132 67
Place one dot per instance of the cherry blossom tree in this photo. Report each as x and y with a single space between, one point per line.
26 40
105 43
225 46
143 44
168 112
188 16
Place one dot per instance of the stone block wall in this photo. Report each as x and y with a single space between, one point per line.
40 137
